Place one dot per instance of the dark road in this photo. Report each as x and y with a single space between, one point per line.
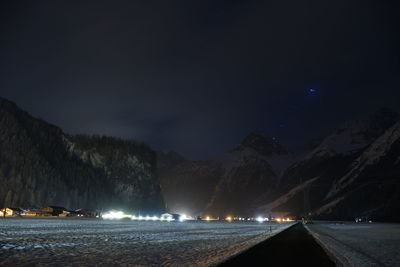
293 247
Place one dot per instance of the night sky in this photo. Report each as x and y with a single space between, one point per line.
197 76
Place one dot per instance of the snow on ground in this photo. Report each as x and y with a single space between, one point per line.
360 244
72 242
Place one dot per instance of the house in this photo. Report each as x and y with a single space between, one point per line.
33 212
10 212
84 213
167 217
53 211
64 213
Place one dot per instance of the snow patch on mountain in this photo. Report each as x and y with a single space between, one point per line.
288 196
237 158
327 208
373 154
353 136
345 140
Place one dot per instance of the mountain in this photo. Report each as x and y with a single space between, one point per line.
351 172
41 165
354 171
262 144
371 186
338 176
355 135
168 160
249 171
228 184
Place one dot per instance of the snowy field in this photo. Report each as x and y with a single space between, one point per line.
360 244
72 242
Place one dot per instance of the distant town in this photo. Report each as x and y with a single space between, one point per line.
61 212
48 211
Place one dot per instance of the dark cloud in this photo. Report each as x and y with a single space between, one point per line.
198 76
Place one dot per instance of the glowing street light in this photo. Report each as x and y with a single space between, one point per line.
183 218
115 215
260 219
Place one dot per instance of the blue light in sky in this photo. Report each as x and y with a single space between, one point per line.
312 90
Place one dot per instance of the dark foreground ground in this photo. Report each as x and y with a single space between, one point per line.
293 247
64 242
76 242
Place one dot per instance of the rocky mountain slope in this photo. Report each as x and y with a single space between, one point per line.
339 175
352 172
249 171
40 165
228 184
371 186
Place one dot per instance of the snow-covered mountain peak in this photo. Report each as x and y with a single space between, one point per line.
263 144
355 135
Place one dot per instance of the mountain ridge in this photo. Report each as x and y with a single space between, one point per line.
249 168
330 168
38 167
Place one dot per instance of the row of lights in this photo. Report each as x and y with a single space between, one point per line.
112 215
168 217
258 219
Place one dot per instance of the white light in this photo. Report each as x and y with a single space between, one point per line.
167 217
120 215
183 217
114 215
259 219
